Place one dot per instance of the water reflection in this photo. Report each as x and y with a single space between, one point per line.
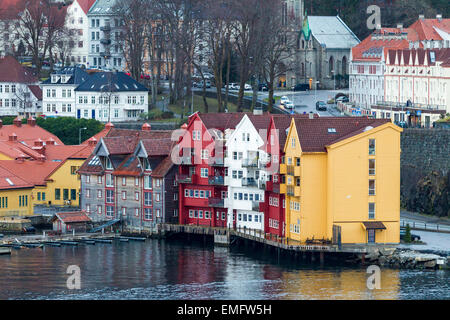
170 270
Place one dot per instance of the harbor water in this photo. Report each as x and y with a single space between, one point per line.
161 269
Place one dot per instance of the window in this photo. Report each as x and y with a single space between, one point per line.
196 135
99 193
109 211
136 182
99 179
136 196
148 214
371 146
204 172
109 180
205 154
371 187
57 194
371 210
99 209
124 195
73 194
371 167
157 197
147 198
293 142
147 182
109 196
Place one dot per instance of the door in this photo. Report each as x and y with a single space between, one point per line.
371 236
93 113
78 114
427 121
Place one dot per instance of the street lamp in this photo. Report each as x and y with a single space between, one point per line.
79 134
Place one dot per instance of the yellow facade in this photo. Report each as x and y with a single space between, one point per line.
16 202
334 187
5 157
62 187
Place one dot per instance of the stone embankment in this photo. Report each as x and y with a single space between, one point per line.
407 259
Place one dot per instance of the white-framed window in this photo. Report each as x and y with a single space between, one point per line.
204 172
136 196
147 182
99 209
109 211
371 210
371 187
124 195
205 154
148 214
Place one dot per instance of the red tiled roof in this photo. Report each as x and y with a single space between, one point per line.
34 172
283 121
86 4
27 133
314 134
72 217
441 55
12 71
425 28
158 147
221 121
14 182
9 9
163 168
36 90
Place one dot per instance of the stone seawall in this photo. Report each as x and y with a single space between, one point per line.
425 171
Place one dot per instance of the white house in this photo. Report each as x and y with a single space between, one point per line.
19 90
77 23
243 173
110 97
59 91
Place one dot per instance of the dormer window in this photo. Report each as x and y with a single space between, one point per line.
146 165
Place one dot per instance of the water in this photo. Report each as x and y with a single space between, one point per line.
173 270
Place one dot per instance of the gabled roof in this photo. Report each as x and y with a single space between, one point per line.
282 123
36 91
221 121
130 166
158 147
427 29
332 32
71 217
418 56
110 82
86 5
9 180
27 133
315 134
12 71
10 9
163 167
33 172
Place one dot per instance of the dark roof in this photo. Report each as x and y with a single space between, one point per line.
36 90
129 166
77 76
12 71
110 82
163 167
221 121
283 121
315 134
374 225
158 147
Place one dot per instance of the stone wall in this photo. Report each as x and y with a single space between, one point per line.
425 171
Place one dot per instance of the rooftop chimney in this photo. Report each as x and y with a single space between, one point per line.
146 127
17 122
50 141
38 142
109 125
31 121
400 26
92 141
257 111
13 137
439 17
311 115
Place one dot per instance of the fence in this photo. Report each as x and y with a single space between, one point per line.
419 225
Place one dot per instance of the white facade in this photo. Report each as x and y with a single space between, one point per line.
123 106
18 99
366 82
105 50
58 99
243 175
77 23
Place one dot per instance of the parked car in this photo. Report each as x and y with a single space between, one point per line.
289 105
263 87
233 86
414 237
247 87
200 84
342 99
321 106
300 87
283 100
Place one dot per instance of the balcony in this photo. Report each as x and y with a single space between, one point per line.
256 206
216 162
250 163
105 41
216 181
105 54
282 168
293 191
216 202
185 178
293 171
106 28
249 182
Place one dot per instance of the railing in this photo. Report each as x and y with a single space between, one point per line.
218 181
419 225
105 41
249 182
290 170
252 163
216 202
217 162
105 28
412 105
290 191
184 178
255 206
